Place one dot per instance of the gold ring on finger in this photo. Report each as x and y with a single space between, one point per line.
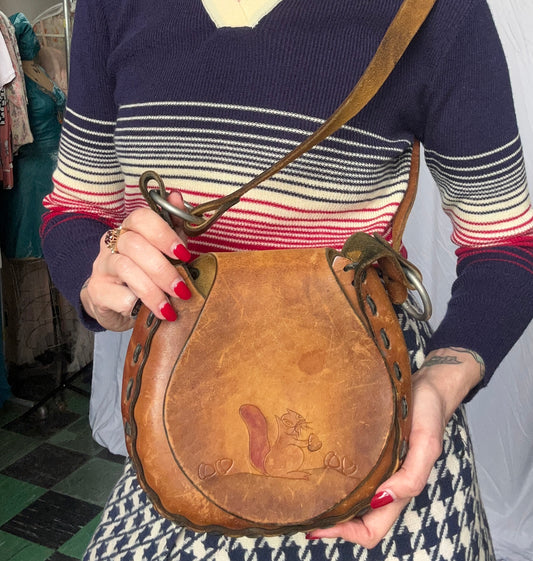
111 238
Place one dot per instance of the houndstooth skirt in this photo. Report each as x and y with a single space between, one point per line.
446 522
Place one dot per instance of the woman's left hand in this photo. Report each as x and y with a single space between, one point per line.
439 387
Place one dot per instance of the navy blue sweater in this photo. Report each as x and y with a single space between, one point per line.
159 86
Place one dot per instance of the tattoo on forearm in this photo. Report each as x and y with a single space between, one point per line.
84 285
476 357
441 360
450 359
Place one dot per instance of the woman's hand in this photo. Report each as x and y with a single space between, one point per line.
138 269
439 387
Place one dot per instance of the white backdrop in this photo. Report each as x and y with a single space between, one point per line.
501 416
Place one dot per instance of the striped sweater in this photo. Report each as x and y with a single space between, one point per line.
161 87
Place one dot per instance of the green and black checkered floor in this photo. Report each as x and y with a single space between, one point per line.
54 481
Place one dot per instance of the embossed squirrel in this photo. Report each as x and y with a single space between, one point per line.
285 457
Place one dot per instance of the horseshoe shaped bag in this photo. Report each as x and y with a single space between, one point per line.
281 406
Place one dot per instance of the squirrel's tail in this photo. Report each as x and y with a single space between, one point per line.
256 424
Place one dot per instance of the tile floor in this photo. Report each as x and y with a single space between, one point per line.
54 480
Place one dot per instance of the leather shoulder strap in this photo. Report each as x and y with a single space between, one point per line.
403 28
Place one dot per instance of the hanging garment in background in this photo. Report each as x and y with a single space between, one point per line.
21 208
7 75
16 90
6 148
7 71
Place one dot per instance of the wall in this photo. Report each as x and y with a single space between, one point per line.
31 8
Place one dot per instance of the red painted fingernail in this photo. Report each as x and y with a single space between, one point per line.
182 253
168 312
182 290
311 537
381 499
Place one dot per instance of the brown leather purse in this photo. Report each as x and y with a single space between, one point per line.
273 411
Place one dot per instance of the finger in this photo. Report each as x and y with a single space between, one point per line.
425 445
157 232
116 298
138 285
367 530
134 251
104 312
410 480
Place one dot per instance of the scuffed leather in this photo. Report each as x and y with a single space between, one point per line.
266 338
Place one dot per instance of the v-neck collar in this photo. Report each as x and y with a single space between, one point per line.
238 13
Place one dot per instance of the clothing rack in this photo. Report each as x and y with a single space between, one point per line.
55 10
57 34
64 381
66 9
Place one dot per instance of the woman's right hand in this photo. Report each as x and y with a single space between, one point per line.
138 269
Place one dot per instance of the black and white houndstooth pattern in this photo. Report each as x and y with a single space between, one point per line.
446 522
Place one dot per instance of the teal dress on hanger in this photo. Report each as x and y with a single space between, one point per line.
21 207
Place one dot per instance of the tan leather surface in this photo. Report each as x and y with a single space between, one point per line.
274 414
399 220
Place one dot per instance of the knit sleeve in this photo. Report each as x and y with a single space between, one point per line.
88 187
474 153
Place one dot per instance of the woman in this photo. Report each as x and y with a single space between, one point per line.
208 95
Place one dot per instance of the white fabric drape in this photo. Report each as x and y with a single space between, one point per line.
7 72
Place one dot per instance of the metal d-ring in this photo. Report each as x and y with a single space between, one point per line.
157 199
413 311
163 203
